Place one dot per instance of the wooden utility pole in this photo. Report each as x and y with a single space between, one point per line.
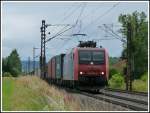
129 58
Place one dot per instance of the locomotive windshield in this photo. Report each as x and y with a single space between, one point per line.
98 57
86 57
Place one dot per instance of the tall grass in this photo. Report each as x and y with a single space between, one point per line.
30 93
33 94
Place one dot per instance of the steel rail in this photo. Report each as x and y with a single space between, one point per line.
129 92
124 103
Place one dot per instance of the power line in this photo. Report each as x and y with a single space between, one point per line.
93 11
60 30
111 32
101 16
83 7
59 33
71 13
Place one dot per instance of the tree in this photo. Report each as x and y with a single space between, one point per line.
4 65
139 26
12 64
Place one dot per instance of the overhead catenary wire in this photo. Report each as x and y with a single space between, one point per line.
79 17
93 11
59 33
68 16
71 13
108 31
77 20
101 16
113 33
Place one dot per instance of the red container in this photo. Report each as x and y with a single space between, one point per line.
53 60
49 69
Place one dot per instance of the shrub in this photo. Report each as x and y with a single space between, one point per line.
7 74
15 72
112 72
117 81
144 77
141 84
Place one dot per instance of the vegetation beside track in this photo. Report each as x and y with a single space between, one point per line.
33 94
117 82
30 93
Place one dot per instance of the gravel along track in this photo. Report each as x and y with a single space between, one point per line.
88 103
127 100
119 101
143 99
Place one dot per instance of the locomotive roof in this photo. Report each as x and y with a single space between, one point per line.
89 48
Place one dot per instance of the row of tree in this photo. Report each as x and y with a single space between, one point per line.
139 26
11 65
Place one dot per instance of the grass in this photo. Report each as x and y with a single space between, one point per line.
139 85
8 90
34 94
30 93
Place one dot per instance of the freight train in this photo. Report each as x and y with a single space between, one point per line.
82 67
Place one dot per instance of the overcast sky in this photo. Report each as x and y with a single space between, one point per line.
21 22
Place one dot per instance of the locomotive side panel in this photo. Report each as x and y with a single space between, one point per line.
68 67
107 64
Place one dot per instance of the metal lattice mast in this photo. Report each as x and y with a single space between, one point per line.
42 57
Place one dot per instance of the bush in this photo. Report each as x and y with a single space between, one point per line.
144 77
141 84
15 72
112 72
7 74
117 81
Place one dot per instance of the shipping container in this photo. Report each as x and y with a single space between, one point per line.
49 69
53 60
59 66
68 68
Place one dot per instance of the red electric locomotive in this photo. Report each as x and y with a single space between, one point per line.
82 67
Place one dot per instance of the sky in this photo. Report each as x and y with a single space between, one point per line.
21 22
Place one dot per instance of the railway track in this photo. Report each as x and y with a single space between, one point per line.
129 92
131 101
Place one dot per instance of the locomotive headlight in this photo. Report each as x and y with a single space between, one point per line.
102 73
81 73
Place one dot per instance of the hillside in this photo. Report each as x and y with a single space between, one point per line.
119 65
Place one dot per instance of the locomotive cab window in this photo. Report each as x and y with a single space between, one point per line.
84 57
98 57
